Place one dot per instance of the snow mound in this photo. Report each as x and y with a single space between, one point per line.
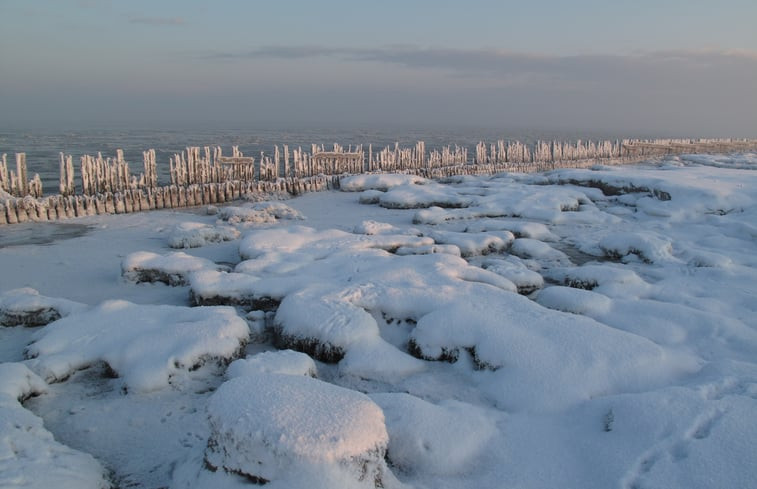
646 246
576 301
471 244
514 270
197 234
279 210
429 195
319 244
379 360
270 427
144 345
27 307
171 269
539 250
520 229
246 214
441 439
374 227
321 323
381 182
611 280
213 288
29 455
542 359
449 249
285 362
259 213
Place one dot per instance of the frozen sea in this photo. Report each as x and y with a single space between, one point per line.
523 331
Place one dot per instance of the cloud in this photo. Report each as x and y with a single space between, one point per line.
526 66
157 20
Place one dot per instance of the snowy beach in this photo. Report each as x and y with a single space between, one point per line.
579 328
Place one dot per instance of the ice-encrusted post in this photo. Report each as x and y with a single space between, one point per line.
4 181
22 185
66 175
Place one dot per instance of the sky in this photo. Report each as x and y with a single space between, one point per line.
672 67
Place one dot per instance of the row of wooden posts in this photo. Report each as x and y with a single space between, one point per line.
198 165
205 176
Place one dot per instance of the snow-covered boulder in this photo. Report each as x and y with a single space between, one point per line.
577 301
429 195
27 307
471 244
611 279
213 288
197 234
648 247
442 439
538 250
144 345
540 358
271 428
381 182
513 269
285 362
171 269
29 455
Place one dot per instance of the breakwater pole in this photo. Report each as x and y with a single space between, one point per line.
204 176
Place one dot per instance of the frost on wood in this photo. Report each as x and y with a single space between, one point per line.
269 427
26 307
144 345
29 455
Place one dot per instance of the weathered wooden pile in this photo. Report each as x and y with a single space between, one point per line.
201 176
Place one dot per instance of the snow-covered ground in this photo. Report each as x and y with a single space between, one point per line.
576 329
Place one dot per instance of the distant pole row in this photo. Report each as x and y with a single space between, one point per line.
197 166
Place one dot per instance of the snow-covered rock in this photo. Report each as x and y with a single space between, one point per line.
577 301
471 244
539 250
27 307
144 345
286 362
270 427
381 182
526 345
197 234
514 270
172 269
647 246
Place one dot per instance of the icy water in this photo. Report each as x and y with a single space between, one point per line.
42 146
41 233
